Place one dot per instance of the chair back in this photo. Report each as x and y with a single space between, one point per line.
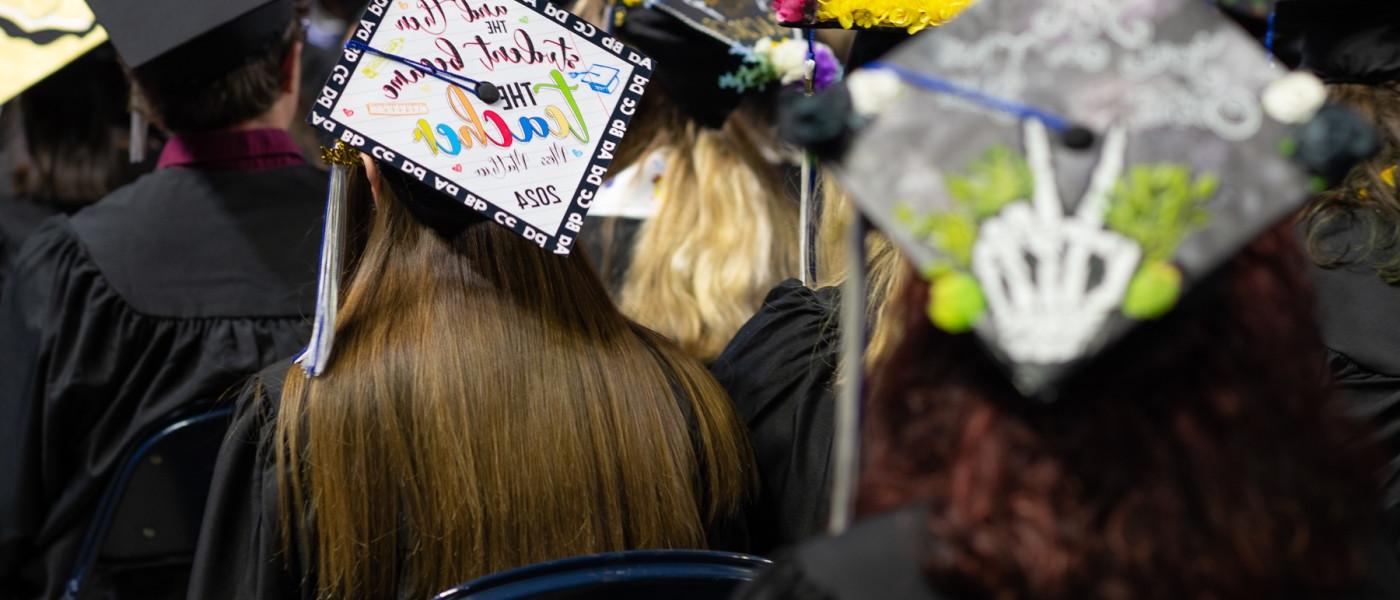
634 575
141 540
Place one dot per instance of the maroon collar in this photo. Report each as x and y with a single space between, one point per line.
243 150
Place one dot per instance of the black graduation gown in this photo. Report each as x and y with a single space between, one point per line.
882 557
240 544
609 242
155 301
1360 317
19 217
780 370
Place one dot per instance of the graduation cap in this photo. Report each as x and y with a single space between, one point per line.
912 16
514 108
201 38
1346 41
38 39
713 54
1061 171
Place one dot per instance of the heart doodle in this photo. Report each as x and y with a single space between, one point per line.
577 153
457 168
524 19
348 112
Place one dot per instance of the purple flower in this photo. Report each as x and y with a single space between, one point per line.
828 69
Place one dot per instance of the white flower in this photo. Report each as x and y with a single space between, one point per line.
874 90
1295 97
789 60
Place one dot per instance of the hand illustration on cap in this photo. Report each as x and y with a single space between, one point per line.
1037 264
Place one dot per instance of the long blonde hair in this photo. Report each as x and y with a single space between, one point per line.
488 407
886 270
726 232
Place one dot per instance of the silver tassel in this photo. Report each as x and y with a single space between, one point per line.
845 454
342 159
136 141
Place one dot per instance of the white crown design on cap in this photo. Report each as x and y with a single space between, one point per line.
1036 263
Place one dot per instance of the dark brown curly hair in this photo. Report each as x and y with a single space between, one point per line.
1367 200
1203 457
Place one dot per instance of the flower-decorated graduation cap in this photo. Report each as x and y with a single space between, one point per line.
912 16
713 54
1061 170
514 108
39 38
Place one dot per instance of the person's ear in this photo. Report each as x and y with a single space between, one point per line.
291 69
372 174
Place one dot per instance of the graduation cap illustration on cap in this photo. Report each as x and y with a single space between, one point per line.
514 108
1063 170
39 38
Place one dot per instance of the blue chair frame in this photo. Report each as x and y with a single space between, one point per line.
116 491
637 567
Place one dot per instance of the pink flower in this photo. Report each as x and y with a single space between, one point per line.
790 11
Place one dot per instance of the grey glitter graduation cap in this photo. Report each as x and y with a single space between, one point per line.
1060 170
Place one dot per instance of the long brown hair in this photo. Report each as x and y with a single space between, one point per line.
487 407
1365 199
1204 457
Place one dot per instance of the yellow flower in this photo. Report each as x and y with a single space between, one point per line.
901 14
1388 176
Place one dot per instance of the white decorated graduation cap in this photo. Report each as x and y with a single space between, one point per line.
514 108
1062 170
39 38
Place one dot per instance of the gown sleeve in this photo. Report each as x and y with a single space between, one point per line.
26 302
240 554
881 557
780 371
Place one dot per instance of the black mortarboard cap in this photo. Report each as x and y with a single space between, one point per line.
203 37
1346 41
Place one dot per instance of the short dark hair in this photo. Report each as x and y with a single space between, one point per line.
179 104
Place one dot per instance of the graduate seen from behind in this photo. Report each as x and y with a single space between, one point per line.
1110 380
709 223
157 300
471 401
1353 229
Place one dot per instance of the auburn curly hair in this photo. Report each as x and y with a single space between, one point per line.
1203 457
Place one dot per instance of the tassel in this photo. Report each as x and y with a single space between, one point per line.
342 159
136 141
845 445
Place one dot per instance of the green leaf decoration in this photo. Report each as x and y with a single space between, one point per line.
999 177
1159 205
953 234
1153 292
956 302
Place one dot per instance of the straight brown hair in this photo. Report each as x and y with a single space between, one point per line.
488 407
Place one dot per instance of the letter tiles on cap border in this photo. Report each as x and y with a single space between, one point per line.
1062 170
514 108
